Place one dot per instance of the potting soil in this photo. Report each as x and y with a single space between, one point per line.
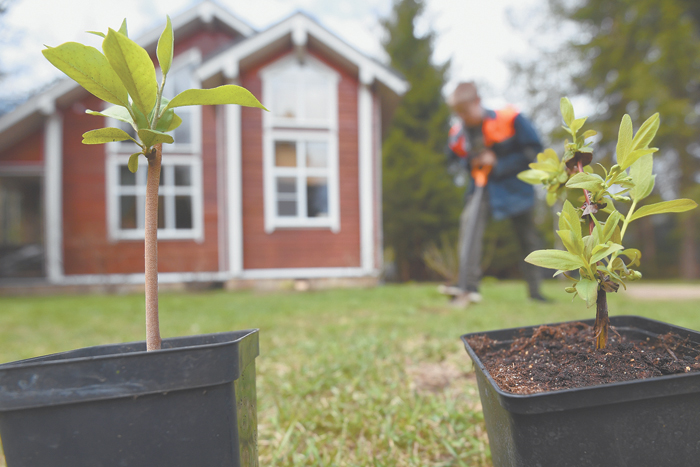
564 357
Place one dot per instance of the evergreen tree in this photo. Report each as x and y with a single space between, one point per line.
640 57
420 200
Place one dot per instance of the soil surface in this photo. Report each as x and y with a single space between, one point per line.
564 357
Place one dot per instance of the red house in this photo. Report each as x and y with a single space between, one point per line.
294 193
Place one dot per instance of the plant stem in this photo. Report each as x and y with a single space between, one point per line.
602 322
591 224
628 219
151 249
156 113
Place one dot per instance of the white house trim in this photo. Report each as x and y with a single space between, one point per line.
365 116
298 26
235 188
378 194
206 11
223 62
53 198
249 274
36 104
303 273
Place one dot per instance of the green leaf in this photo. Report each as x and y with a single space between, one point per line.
624 141
97 33
548 155
141 120
567 110
610 225
164 51
227 94
116 112
634 156
555 259
572 243
134 67
153 137
677 205
586 181
646 132
165 121
589 133
589 242
588 290
532 176
122 28
106 135
133 163
633 254
601 251
616 236
641 173
577 124
177 121
569 219
89 68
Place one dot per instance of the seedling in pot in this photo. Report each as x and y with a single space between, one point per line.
600 258
124 75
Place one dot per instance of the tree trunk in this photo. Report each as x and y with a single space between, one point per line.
151 249
689 249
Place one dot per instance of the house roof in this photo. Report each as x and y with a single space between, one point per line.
299 29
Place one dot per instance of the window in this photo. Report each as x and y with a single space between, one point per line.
301 145
179 203
21 226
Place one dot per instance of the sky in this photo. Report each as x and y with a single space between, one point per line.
475 34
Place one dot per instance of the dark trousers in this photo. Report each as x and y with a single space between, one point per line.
473 220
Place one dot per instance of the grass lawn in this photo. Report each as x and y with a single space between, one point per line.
371 377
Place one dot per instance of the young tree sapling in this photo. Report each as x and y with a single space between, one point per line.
124 75
602 261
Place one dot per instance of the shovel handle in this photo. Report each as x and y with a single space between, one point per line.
480 174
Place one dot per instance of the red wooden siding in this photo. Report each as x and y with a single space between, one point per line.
301 248
87 249
28 151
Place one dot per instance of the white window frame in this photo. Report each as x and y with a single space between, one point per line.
173 154
300 130
167 190
300 173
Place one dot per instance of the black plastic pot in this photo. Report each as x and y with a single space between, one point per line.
652 422
190 404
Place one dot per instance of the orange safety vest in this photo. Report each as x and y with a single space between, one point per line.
495 130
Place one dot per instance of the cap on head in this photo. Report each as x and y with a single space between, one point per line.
464 92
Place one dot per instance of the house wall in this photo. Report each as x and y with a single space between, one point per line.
28 151
301 248
87 248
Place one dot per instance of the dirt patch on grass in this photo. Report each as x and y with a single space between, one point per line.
664 292
436 377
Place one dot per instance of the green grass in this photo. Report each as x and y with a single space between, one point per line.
372 377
